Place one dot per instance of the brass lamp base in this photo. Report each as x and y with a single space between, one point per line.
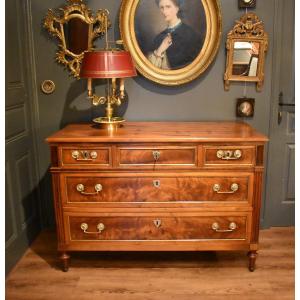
109 123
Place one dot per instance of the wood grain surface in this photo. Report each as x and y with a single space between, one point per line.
153 169
172 156
156 276
143 228
161 132
246 159
166 188
103 156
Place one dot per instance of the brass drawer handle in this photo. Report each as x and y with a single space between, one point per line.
234 188
85 226
156 155
156 183
80 188
157 223
229 154
216 227
87 156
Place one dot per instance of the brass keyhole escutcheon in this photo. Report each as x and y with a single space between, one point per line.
85 154
156 183
157 223
156 155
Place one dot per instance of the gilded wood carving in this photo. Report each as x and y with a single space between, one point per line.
171 41
76 28
246 46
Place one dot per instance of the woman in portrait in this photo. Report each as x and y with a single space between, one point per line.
178 45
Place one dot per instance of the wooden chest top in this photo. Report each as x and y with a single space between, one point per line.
160 132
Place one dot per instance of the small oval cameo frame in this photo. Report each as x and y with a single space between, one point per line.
245 107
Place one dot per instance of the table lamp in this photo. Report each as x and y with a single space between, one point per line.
114 65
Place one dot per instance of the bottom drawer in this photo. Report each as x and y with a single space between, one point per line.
158 227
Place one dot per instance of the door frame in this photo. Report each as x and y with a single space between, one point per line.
274 107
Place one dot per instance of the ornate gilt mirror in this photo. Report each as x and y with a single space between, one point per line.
76 28
246 46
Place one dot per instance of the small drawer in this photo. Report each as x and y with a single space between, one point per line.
229 155
156 189
160 227
91 156
159 157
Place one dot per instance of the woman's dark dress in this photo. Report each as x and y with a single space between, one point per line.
186 45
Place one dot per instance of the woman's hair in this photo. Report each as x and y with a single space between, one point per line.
178 3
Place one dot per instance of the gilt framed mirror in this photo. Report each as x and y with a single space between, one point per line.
247 44
171 42
75 27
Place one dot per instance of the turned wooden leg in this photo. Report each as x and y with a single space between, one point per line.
65 258
252 258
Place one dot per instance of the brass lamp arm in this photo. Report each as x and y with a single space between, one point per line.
115 100
96 100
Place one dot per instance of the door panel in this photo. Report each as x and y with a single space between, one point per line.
14 128
290 173
10 223
280 204
21 178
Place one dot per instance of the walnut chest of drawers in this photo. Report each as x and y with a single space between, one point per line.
157 186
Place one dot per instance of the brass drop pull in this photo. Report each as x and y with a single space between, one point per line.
157 223
84 227
156 155
216 227
84 155
234 188
229 154
80 188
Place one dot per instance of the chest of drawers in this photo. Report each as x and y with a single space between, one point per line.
157 186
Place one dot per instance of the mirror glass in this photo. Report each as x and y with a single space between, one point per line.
76 33
245 58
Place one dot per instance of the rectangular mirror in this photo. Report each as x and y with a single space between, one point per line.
245 58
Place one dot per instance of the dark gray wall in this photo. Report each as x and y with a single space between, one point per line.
202 99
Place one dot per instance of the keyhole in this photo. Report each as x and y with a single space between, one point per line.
156 183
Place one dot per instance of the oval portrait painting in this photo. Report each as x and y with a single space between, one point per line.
170 33
171 41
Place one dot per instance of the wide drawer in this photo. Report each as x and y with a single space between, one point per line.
160 227
85 156
158 157
95 188
229 155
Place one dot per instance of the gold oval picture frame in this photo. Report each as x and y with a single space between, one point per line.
194 39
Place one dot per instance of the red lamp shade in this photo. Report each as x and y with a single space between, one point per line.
107 64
